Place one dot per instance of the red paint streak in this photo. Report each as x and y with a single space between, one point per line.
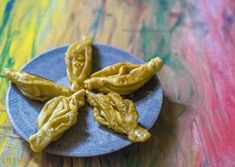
213 66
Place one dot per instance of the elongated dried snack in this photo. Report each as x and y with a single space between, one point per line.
79 62
117 114
123 78
58 115
36 87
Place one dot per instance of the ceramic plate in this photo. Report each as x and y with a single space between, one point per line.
86 138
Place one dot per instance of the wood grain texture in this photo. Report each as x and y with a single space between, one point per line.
195 39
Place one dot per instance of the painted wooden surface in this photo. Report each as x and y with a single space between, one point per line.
196 40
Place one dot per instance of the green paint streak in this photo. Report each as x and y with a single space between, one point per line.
6 15
161 11
10 62
160 28
3 63
156 39
4 54
5 60
5 24
179 22
162 48
147 38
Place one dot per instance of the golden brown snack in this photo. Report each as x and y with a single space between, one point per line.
79 62
123 78
58 115
115 69
36 87
117 114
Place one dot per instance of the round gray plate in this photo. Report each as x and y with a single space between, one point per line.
86 138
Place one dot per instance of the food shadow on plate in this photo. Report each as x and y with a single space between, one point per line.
163 139
36 104
119 135
151 86
70 138
28 116
96 60
145 90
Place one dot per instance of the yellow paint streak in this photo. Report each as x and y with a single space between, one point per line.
3 118
21 31
2 7
4 38
45 24
51 31
3 89
2 107
3 145
23 49
22 45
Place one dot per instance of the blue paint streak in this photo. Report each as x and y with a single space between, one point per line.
99 18
226 27
228 20
179 21
6 15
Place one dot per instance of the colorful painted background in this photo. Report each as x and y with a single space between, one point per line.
196 40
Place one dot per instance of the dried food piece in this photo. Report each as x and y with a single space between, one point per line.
115 69
79 62
117 114
58 115
36 87
123 78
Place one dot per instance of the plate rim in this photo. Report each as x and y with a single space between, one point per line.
19 131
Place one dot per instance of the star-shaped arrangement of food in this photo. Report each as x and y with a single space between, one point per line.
102 90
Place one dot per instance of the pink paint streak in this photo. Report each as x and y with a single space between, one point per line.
213 67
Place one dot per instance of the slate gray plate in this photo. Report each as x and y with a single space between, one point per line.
86 138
